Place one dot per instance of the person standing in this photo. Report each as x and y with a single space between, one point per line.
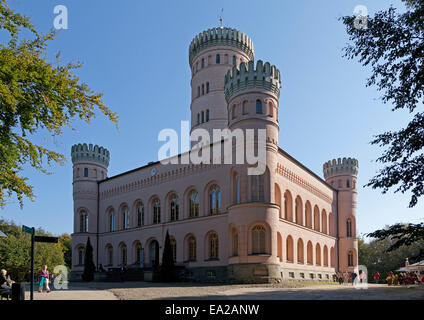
44 274
376 277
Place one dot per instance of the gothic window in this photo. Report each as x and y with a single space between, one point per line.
350 259
156 211
289 249
194 204
174 207
203 63
83 221
85 172
258 240
349 228
270 109
80 256
215 200
109 251
112 221
123 255
218 59
258 106
257 187
125 218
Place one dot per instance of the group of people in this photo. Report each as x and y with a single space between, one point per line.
6 282
405 278
349 277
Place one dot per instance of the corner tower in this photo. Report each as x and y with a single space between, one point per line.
90 165
342 175
211 54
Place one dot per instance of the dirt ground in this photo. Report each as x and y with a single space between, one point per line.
287 291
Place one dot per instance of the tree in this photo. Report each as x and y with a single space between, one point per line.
393 45
36 97
167 270
15 252
89 267
65 241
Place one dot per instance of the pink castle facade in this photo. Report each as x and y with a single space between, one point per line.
224 224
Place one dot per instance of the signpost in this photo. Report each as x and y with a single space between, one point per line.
34 239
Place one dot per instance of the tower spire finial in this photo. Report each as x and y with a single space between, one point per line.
221 19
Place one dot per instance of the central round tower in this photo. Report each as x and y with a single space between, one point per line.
212 54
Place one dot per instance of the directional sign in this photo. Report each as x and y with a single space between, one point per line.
28 230
46 239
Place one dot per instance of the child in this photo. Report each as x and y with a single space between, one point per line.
44 279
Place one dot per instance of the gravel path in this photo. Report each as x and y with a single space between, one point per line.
290 291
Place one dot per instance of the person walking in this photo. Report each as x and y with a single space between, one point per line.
377 277
44 274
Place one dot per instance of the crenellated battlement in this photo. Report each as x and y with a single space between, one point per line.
84 152
341 166
264 76
221 37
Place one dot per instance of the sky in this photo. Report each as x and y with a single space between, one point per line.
136 53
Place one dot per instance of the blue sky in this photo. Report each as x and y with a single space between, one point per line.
136 53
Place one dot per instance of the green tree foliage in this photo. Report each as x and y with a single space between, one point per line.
89 267
374 255
65 242
36 96
15 252
393 46
167 270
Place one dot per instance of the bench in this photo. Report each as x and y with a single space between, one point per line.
5 293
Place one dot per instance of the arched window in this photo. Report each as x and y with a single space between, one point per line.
279 246
288 212
277 195
325 256
83 221
245 107
156 211
85 172
207 115
258 106
235 243
174 249
218 59
350 259
203 63
316 219
140 215
198 118
138 253
215 200
300 250
203 117
109 255
125 218
207 87
289 248
174 208
330 224
299 210
233 112
154 253
191 248
347 184
198 91
194 204
309 257
81 256
348 228
332 263
324 221
112 221
308 214
234 60
123 255
318 254
270 109
213 246
258 240
203 89
257 187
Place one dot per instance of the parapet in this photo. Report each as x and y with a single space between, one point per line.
347 166
221 37
82 152
243 77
